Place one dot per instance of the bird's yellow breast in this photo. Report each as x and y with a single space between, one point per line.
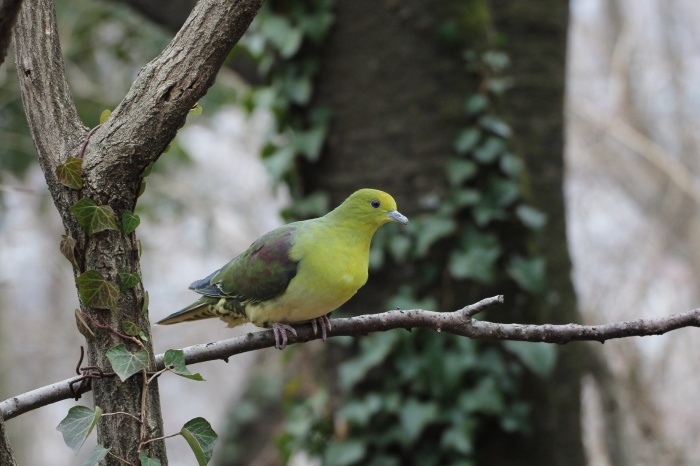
332 266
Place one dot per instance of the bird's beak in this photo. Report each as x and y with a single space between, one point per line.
396 216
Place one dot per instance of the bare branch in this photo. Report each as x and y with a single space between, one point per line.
51 114
457 323
8 15
158 102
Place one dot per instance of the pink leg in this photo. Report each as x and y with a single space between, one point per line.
324 322
280 330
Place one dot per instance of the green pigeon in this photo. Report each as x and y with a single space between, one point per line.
297 273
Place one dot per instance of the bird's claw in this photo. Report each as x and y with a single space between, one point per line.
280 330
324 322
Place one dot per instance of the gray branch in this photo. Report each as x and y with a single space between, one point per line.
458 323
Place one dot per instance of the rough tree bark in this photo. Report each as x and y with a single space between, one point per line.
6 456
135 135
396 94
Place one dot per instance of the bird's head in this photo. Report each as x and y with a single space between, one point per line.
372 207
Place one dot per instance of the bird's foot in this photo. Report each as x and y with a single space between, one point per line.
280 330
324 322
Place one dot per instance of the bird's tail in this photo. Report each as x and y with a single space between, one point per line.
202 309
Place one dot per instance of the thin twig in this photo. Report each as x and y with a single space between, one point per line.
457 322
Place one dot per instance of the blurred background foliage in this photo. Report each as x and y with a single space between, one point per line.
455 108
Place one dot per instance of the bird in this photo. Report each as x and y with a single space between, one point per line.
297 273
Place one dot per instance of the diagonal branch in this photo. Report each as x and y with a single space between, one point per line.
51 114
160 98
458 323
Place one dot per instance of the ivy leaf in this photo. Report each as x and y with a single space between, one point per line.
104 116
415 416
531 217
149 168
201 437
130 221
428 231
127 280
93 218
96 455
70 173
345 453
142 188
538 357
125 363
467 140
529 273
144 305
146 461
83 326
459 170
175 361
77 425
130 328
68 248
96 291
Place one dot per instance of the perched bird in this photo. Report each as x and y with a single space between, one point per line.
299 272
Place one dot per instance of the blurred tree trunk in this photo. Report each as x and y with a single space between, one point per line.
396 93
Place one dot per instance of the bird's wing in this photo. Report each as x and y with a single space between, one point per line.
261 272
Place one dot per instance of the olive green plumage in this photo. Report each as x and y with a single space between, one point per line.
296 273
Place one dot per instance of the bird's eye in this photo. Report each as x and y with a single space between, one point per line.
375 204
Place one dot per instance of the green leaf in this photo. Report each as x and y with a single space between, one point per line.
345 453
459 170
70 173
77 425
149 168
196 110
475 104
354 370
130 222
428 231
96 291
104 116
309 143
416 416
144 305
130 328
467 140
490 150
538 357
96 455
146 461
93 218
531 217
495 125
142 188
68 249
127 280
476 258
175 361
125 363
201 437
278 30
529 273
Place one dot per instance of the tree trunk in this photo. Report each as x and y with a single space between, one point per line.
396 93
133 137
